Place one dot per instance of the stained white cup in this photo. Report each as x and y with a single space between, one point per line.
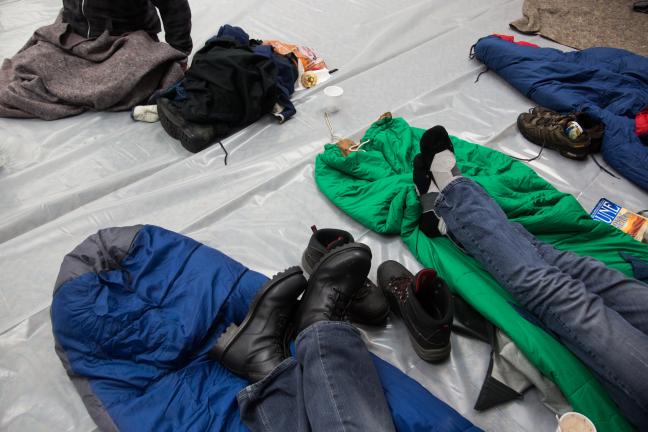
333 98
585 424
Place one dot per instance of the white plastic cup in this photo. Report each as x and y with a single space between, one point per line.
333 98
574 422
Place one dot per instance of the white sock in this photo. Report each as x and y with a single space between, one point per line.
145 113
444 168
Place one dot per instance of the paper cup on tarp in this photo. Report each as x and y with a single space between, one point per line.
333 98
574 422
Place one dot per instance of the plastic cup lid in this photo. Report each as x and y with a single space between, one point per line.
333 91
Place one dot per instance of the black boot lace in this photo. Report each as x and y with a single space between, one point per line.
341 302
398 285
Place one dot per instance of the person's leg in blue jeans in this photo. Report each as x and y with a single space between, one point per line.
332 385
597 334
568 302
629 297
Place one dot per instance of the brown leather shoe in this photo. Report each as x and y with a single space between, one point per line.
546 128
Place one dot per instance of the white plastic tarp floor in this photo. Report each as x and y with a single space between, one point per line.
64 180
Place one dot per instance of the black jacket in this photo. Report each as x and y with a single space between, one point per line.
90 18
229 85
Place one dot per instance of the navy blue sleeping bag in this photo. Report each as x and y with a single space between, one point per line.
134 314
609 84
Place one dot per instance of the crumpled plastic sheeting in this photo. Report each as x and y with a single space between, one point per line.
66 179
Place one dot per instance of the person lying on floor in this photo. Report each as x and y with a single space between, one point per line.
331 384
595 311
90 18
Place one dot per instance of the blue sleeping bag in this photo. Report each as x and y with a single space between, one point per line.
609 84
135 312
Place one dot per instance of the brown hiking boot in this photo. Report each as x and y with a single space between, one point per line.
546 128
544 112
594 129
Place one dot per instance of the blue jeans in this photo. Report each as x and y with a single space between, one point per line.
597 312
331 385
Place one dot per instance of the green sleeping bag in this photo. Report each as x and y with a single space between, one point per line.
375 187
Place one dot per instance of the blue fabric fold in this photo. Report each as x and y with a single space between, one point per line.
609 84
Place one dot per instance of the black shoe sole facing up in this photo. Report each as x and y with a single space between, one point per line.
232 332
175 129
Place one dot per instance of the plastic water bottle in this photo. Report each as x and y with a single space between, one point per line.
573 130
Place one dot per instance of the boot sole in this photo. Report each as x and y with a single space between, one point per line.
169 127
177 132
230 335
433 355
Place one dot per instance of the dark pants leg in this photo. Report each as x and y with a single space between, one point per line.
612 347
629 297
332 385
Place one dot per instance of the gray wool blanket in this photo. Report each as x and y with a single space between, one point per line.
60 74
586 23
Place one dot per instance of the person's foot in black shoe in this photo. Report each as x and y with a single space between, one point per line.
425 304
333 284
369 305
194 137
256 346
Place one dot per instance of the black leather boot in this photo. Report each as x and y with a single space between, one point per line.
369 305
194 137
425 304
333 285
256 346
